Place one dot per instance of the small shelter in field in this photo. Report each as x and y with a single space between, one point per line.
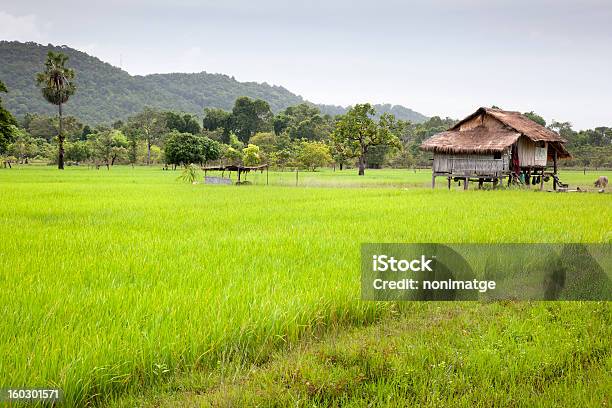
491 145
240 170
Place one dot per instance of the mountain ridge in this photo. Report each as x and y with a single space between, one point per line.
106 93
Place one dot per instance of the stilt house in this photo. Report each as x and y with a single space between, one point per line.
491 145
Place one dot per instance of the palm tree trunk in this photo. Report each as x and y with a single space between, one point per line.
60 157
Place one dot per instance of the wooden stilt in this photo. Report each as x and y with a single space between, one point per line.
449 183
555 170
465 183
433 180
529 178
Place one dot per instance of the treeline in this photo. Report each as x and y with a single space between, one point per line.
589 148
249 134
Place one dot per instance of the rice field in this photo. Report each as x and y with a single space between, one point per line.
118 281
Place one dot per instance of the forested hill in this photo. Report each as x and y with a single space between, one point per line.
106 93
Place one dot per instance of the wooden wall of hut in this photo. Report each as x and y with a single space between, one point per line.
531 154
473 164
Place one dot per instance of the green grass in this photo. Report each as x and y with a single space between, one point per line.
115 281
434 354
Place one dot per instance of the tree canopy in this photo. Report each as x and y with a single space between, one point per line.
250 116
356 132
7 124
186 148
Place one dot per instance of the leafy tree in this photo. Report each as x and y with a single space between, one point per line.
535 117
133 137
215 119
46 150
7 124
375 159
185 123
403 159
23 147
340 154
280 123
413 134
265 140
211 149
564 129
216 135
303 121
250 116
356 132
150 126
186 148
157 155
77 151
250 155
48 127
108 146
234 142
57 86
40 126
86 132
313 154
72 128
232 155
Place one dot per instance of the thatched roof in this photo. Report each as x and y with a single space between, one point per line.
482 139
477 140
232 167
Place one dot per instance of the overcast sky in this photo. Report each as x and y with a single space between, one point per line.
438 57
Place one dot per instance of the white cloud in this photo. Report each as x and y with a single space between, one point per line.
20 28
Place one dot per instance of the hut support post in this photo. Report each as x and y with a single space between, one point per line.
433 180
267 177
465 183
555 170
542 180
449 183
528 178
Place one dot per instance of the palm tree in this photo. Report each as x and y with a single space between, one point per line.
57 87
